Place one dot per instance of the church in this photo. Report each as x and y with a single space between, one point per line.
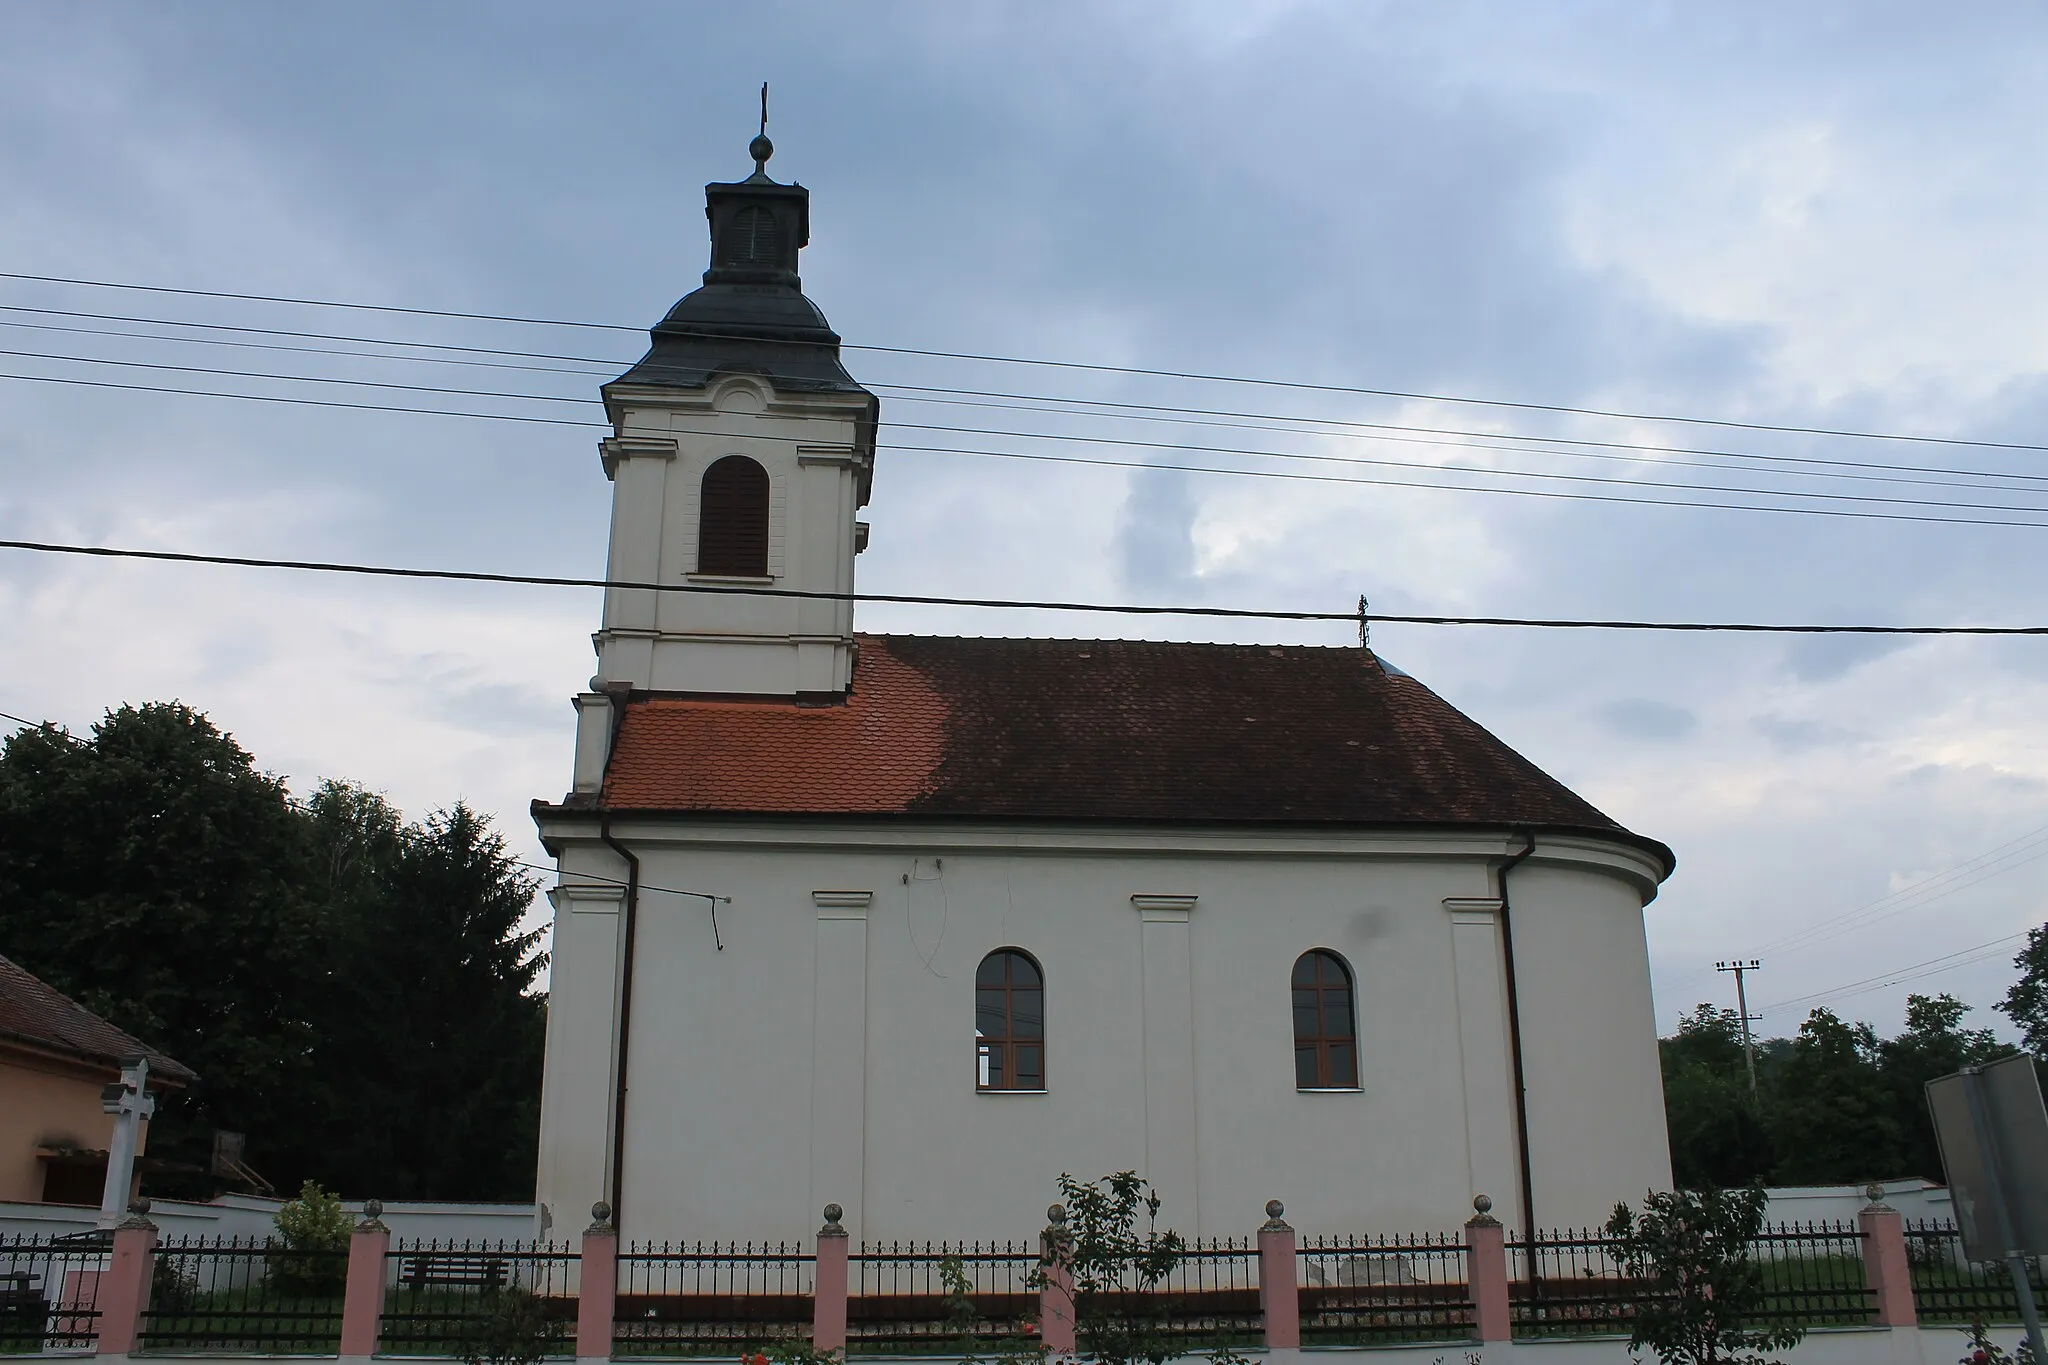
913 925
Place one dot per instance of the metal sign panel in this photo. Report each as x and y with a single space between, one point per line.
2013 1133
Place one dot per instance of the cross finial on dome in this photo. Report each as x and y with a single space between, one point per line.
761 148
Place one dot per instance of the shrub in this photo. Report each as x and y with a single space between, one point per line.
1689 1252
513 1328
315 1230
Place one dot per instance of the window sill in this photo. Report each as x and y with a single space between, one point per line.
728 578
1329 1090
991 1090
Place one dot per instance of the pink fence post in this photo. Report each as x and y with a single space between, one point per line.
828 1294
597 1285
124 1288
1056 1290
1279 1295
1885 1268
1486 1273
362 1300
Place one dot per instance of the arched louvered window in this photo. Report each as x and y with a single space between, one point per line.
1325 1027
1009 1022
752 238
732 519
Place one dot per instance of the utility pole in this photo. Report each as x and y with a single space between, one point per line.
1742 1008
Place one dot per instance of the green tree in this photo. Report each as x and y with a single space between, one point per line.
1689 1251
1828 1112
155 875
2026 1003
1717 1133
355 991
433 1034
1934 1044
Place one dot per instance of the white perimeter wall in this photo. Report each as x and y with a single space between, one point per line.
827 1052
249 1217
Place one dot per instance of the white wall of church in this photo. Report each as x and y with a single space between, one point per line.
826 1053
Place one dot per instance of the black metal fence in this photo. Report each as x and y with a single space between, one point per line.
49 1291
1368 1291
1949 1287
1564 1283
226 1294
1813 1275
444 1297
710 1298
1209 1299
1570 1284
921 1298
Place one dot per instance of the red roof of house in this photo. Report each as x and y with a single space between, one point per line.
36 1013
1095 730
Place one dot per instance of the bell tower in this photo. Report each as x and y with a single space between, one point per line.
741 455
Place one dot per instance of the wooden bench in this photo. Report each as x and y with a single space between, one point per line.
453 1269
23 1308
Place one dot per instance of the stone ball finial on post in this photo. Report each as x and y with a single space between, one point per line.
373 1217
600 1217
1274 1221
1055 1239
1482 1212
833 1227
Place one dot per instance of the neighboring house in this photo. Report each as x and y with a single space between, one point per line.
56 1057
1258 922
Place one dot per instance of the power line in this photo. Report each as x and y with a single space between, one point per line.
1128 410
1962 957
1129 609
1196 376
299 350
1116 441
1855 515
1996 862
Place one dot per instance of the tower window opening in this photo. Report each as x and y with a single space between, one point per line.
752 238
732 519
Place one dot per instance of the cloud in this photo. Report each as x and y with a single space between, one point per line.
1641 718
1797 735
1810 217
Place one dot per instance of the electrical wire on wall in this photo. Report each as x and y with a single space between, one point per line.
910 880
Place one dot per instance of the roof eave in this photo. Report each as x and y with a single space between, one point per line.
566 814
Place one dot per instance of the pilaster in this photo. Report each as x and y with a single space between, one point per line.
1172 1160
638 468
576 1107
1479 974
839 1051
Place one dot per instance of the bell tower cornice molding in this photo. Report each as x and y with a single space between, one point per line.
613 449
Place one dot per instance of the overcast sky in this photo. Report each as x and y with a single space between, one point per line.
1818 215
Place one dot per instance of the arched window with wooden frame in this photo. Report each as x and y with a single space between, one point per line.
1009 1022
732 519
1325 1023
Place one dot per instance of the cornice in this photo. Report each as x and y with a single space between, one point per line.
562 828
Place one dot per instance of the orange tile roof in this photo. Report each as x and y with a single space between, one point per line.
1095 729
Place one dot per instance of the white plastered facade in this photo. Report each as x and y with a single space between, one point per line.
826 1053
